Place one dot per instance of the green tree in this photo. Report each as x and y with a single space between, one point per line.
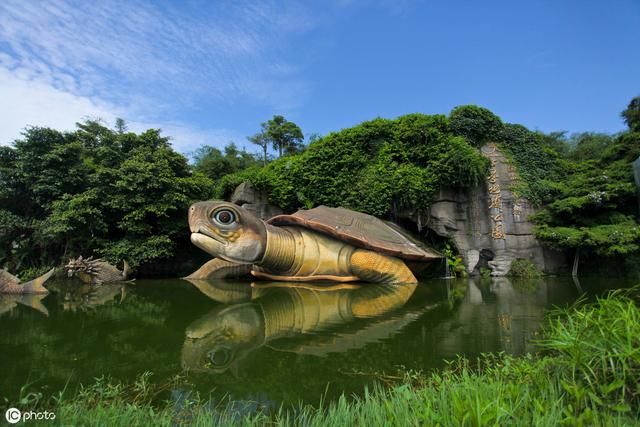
594 212
95 191
260 139
477 124
285 136
588 145
239 159
631 115
214 164
150 195
121 125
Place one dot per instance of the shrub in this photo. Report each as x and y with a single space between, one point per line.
478 125
523 268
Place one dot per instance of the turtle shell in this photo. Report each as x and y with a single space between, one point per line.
361 230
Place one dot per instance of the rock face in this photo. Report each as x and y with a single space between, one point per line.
489 223
248 197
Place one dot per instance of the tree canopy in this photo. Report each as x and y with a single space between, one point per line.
95 191
595 207
584 186
631 115
214 163
284 136
380 167
478 125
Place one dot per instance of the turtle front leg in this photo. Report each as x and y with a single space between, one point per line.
218 268
375 267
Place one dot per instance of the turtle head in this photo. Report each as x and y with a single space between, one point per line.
223 337
227 231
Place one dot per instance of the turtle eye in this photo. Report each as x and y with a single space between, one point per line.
224 217
220 357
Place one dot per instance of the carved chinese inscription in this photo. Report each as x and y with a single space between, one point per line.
495 198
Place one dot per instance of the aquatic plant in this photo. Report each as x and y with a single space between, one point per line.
524 269
455 263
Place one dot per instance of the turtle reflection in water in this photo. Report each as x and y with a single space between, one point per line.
278 310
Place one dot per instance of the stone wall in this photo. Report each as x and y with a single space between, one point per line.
489 224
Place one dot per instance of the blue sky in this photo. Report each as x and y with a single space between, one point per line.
208 72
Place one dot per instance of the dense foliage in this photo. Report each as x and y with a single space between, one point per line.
595 205
523 269
380 167
94 191
631 115
215 163
478 125
115 193
537 161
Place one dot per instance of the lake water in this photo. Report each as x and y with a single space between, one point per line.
271 344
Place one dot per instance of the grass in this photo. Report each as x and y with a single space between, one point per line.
588 373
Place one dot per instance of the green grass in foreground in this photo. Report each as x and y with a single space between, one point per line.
587 374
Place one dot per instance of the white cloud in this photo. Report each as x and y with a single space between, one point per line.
32 102
28 101
63 60
109 49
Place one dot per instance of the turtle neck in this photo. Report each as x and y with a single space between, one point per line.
280 253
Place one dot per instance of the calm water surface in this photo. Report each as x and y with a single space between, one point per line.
272 344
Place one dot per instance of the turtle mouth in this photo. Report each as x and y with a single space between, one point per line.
213 245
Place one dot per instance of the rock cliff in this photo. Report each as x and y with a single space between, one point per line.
489 223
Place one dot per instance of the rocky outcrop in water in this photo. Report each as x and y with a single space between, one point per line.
489 223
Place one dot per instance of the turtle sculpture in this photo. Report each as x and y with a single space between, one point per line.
323 243
10 284
96 271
